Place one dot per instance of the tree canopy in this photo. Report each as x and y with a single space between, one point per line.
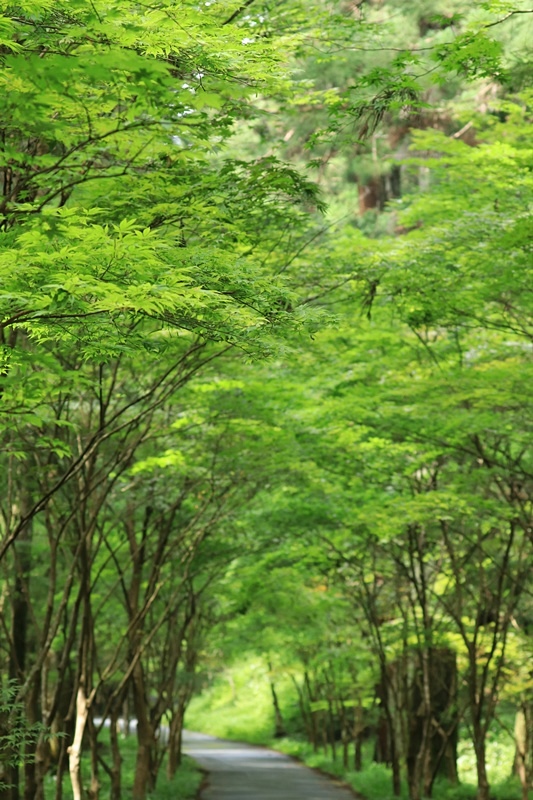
265 382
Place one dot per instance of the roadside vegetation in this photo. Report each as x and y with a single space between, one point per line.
184 785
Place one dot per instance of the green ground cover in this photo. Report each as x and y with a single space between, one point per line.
183 786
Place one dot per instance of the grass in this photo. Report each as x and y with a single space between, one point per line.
374 782
183 786
238 707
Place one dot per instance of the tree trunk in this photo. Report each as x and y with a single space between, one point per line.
94 788
382 749
483 786
358 737
331 729
18 643
420 718
445 727
145 736
143 765
126 716
396 774
175 739
322 722
305 714
386 750
74 750
61 769
524 747
116 769
6 769
33 776
279 725
314 724
371 194
345 733
358 753
432 722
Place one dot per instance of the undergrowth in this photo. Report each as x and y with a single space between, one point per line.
183 786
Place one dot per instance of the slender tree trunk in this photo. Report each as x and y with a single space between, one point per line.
61 769
396 772
416 723
116 768
420 719
382 749
126 716
345 734
358 737
483 786
387 745
74 750
143 764
6 770
279 725
358 753
145 736
304 712
175 740
524 747
314 724
19 636
94 789
331 729
322 722
33 776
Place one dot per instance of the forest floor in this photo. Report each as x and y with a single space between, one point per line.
243 772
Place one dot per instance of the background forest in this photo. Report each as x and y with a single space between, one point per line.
265 392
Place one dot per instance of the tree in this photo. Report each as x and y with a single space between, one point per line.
413 468
149 250
108 102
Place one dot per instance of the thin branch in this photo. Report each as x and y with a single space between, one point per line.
238 11
508 16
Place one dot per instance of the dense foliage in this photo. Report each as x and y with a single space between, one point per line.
265 332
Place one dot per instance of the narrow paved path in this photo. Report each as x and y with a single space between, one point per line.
243 772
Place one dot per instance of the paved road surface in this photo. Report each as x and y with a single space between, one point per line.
242 772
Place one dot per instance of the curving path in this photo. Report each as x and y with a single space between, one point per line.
243 772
